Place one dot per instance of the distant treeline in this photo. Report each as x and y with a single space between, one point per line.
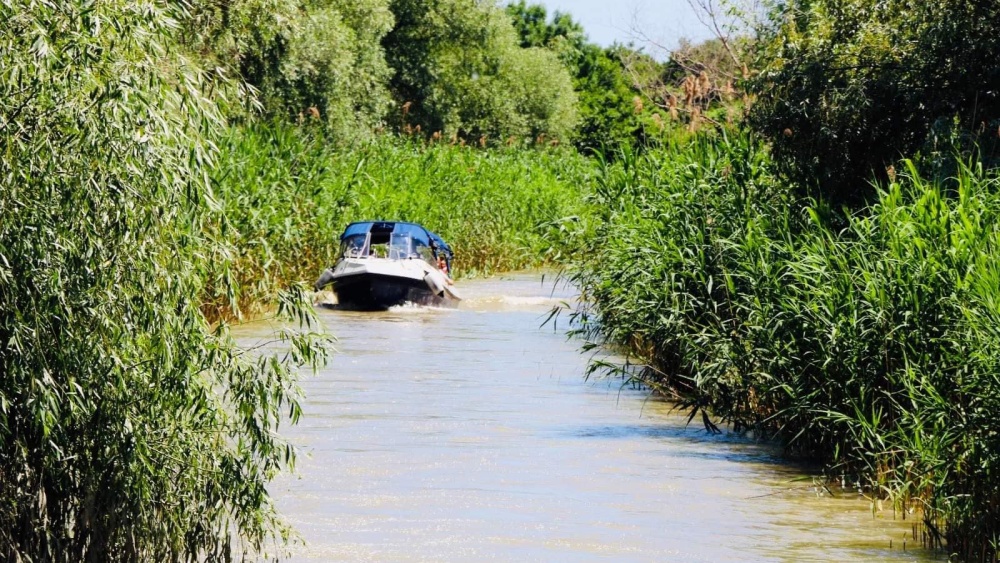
450 71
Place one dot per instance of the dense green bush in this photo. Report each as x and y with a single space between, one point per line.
847 87
872 348
316 60
460 71
129 428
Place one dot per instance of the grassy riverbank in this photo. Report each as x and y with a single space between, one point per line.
868 341
287 194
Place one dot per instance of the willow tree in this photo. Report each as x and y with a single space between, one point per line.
129 428
317 60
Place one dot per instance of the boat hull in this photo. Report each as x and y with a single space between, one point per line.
375 292
374 284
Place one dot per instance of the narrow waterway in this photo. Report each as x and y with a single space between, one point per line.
471 435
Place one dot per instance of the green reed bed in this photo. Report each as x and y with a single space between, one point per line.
500 210
288 194
871 346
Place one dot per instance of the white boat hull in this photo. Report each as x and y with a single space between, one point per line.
379 283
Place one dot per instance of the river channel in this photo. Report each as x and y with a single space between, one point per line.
472 435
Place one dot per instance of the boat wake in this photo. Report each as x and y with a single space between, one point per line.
528 303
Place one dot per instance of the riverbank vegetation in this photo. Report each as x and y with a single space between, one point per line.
866 341
799 279
791 228
130 429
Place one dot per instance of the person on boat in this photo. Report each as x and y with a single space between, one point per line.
442 265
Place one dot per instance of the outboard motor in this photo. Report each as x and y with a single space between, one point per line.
434 284
324 279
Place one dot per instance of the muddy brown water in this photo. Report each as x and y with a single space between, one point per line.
472 435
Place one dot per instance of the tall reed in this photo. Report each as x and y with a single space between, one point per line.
868 342
287 195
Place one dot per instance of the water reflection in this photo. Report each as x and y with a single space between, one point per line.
470 434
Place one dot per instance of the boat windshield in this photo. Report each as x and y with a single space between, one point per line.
401 247
395 246
355 246
396 240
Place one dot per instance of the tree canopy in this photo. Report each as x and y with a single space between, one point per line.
847 87
451 66
303 59
613 110
460 70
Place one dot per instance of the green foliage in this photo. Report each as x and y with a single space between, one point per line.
500 210
460 71
659 270
897 308
846 87
129 428
305 59
532 25
288 195
453 67
283 190
613 112
872 348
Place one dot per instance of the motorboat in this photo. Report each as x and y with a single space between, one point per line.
382 264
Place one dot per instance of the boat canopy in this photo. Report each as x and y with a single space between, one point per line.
383 231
